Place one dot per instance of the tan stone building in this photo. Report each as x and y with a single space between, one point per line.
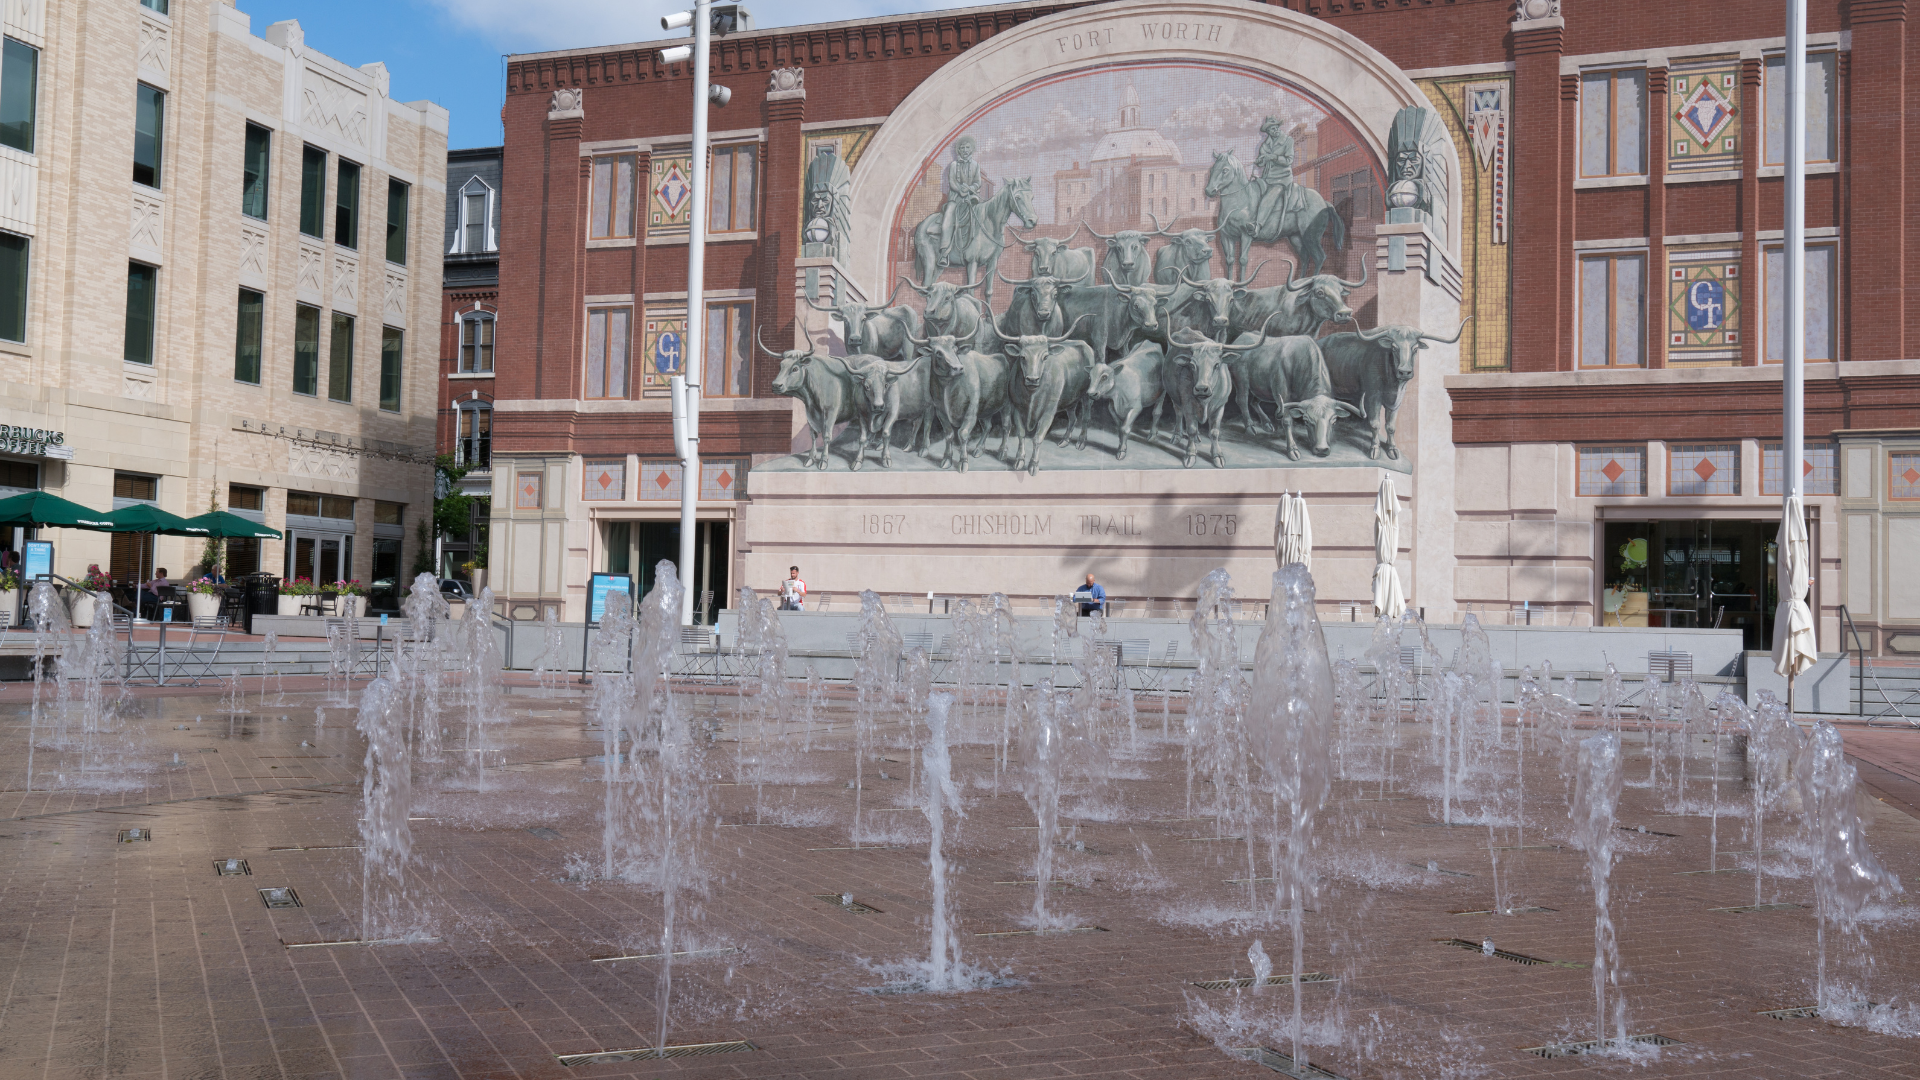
219 280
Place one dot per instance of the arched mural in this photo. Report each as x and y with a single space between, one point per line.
1151 262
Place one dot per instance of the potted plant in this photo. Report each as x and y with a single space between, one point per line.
476 570
203 598
292 593
94 584
9 596
349 592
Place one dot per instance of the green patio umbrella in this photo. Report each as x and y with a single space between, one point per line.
39 509
143 518
222 525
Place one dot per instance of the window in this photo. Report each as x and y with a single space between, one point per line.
729 348
306 349
242 497
247 337
391 354
1613 121
21 476
474 447
155 5
313 191
311 504
1819 470
396 222
659 481
19 94
253 172
389 513
1613 470
243 557
476 342
149 134
346 206
136 487
340 359
612 197
1823 143
14 250
1709 469
608 333
1818 275
143 287
1903 476
1613 301
526 490
732 184
603 481
476 220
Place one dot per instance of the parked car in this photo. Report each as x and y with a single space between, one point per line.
452 589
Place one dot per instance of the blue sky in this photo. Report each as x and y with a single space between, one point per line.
450 51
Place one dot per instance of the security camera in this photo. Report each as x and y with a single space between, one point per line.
676 21
679 54
719 95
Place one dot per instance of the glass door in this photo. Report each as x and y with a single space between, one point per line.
329 561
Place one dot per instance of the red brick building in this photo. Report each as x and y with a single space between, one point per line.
468 320
1615 232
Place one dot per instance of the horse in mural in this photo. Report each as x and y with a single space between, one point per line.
979 252
1302 227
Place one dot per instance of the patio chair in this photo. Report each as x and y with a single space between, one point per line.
821 603
698 654
142 657
194 660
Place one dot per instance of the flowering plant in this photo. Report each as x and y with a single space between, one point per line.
9 581
345 587
96 580
300 586
205 586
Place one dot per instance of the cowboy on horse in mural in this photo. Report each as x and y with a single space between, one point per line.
965 187
1270 206
1273 174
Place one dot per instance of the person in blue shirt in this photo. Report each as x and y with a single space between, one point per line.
1091 597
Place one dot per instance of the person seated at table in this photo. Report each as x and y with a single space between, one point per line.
150 593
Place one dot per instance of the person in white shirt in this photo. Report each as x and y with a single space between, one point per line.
793 591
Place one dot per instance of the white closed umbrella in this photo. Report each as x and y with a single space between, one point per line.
1388 599
1794 648
1293 533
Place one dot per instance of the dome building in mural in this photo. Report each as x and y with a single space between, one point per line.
1133 172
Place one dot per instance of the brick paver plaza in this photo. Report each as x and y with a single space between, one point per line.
139 959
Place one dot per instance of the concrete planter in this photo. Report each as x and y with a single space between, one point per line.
202 605
289 605
80 609
9 604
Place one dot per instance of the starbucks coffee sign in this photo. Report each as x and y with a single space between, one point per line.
35 442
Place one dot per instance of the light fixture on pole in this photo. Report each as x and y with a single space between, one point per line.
706 19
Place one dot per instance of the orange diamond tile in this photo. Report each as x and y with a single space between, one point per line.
1613 471
663 481
1705 469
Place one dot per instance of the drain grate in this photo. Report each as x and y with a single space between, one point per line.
1507 911
1061 930
846 902
1812 1012
1503 954
1643 830
725 950
1208 839
1575 1049
1746 908
544 833
231 867
134 836
1272 980
279 898
1434 868
1282 1064
644 1052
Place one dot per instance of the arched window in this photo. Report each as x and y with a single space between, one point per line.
474 440
476 341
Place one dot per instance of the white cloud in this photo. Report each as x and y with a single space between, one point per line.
535 25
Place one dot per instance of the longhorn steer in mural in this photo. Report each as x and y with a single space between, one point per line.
1200 381
1301 306
1051 374
949 310
968 386
1189 255
1130 386
978 253
1208 307
876 329
1126 259
1302 224
824 386
1370 371
886 392
1291 373
1053 258
1109 316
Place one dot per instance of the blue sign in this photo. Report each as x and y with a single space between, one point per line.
666 353
38 560
166 614
1706 304
601 585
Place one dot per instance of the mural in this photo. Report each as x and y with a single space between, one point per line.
1157 265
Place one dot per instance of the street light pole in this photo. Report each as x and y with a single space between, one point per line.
1793 269
685 388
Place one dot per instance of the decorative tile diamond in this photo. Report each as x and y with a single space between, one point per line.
1704 469
1820 471
1612 471
1703 118
605 481
526 491
660 481
1705 112
1904 471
